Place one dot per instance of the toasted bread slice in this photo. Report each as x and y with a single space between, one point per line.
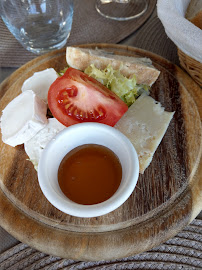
81 58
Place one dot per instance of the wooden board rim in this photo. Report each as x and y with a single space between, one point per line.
87 252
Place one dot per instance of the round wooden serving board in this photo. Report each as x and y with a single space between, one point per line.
168 195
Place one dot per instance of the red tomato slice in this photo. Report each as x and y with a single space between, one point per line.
75 97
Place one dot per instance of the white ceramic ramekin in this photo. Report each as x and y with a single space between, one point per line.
87 133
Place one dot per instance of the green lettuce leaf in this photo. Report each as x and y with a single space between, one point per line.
126 88
62 71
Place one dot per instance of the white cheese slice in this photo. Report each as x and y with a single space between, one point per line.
22 118
40 82
145 124
35 146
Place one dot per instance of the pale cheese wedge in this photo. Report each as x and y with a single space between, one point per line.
35 146
40 82
22 118
145 124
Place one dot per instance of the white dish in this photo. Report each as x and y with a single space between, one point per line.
68 139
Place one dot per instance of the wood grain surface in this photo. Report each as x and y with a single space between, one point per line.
168 195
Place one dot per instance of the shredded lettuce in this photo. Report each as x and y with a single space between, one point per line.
126 88
62 71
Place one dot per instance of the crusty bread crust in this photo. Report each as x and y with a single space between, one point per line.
81 58
197 20
194 13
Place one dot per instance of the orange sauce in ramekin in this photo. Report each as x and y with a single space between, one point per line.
90 174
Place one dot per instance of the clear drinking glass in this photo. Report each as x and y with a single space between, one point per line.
39 25
121 10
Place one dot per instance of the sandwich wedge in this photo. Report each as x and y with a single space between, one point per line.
81 58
